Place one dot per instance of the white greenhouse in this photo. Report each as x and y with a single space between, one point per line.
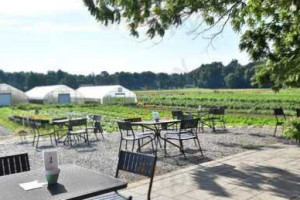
54 94
112 94
11 96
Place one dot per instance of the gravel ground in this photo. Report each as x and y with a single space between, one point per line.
102 155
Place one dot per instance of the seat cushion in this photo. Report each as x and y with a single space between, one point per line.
110 196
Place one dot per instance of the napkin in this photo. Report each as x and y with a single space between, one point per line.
32 185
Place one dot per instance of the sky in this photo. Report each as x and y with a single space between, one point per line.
43 35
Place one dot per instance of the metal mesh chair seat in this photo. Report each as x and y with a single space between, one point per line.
77 132
110 196
137 136
181 136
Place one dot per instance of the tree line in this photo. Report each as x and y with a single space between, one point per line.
214 75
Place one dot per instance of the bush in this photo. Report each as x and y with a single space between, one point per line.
292 130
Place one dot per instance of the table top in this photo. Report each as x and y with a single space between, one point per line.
162 121
62 121
74 182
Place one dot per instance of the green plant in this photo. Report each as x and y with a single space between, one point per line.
292 130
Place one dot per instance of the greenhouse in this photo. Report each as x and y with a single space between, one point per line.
54 94
112 94
11 96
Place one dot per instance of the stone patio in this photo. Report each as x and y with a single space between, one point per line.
271 172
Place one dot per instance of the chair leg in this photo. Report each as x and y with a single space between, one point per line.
37 141
133 142
275 130
182 148
33 140
126 144
200 149
51 139
152 146
165 147
87 138
96 136
121 144
139 146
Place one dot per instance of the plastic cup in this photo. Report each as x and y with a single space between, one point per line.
52 176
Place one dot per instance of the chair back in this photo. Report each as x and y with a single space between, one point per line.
136 119
177 114
298 112
124 126
217 111
77 122
278 112
137 163
189 123
97 118
14 164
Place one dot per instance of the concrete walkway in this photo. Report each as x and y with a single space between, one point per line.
269 173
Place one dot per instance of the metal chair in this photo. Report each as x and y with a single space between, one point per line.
188 131
128 134
37 126
136 163
14 164
216 115
77 130
280 118
96 126
59 128
298 112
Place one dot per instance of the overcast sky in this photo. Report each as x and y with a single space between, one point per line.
42 35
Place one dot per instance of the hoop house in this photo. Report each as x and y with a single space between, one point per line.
112 94
11 96
55 94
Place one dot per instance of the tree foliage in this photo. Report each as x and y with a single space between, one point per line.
270 29
214 75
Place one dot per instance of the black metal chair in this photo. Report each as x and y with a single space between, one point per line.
37 127
216 116
188 131
77 130
14 164
280 118
128 134
177 114
96 126
298 112
136 163
59 128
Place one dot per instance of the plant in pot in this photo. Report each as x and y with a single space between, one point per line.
292 131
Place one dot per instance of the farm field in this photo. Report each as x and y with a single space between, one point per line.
244 107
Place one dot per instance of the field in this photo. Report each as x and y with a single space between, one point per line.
243 107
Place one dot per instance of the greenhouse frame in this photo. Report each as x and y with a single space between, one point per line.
11 96
112 94
54 94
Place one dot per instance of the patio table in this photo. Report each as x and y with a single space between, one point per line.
74 182
157 127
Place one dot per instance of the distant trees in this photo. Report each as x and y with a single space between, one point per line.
214 75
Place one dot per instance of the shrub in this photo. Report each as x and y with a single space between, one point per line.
292 130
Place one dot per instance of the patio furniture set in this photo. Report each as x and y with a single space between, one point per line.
74 182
